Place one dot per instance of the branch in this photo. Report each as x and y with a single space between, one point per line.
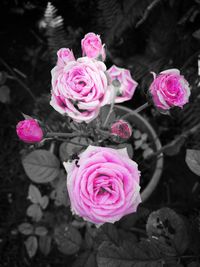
147 12
111 108
144 106
137 110
67 135
190 59
17 79
176 141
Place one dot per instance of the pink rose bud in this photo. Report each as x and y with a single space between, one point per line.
121 129
92 46
65 55
169 89
126 85
29 131
103 185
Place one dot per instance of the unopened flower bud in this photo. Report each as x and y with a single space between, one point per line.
29 131
121 129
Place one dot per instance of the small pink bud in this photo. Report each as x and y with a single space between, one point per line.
92 46
29 131
121 129
65 55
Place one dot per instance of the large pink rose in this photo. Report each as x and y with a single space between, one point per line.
92 46
80 88
64 55
29 131
103 185
169 89
125 84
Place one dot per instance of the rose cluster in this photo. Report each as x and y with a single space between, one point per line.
80 87
103 183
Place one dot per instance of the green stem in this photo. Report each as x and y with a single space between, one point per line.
144 106
172 143
78 144
111 108
137 110
138 230
69 141
67 135
105 133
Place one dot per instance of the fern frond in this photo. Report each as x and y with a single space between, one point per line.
115 17
135 10
56 35
147 12
110 18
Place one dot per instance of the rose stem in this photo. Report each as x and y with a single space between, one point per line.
139 109
111 108
106 133
55 134
69 141
172 143
78 144
138 230
52 147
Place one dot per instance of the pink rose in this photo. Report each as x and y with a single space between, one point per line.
103 185
80 89
65 55
29 131
121 129
125 84
92 46
169 89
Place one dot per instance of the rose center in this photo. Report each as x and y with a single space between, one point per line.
102 185
173 86
82 83
102 190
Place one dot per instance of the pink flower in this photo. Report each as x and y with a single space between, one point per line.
126 85
92 46
121 129
80 89
169 89
103 185
65 55
29 131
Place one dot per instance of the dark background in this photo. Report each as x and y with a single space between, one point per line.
142 36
